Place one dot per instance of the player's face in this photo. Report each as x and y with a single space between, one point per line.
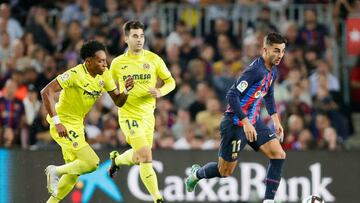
135 40
98 62
275 53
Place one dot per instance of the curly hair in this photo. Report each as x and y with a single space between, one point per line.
89 48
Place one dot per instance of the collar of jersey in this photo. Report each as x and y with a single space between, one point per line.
262 61
135 56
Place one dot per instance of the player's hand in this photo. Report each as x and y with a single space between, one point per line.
129 83
279 131
61 130
155 92
249 130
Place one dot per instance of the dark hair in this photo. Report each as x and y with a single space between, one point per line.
89 49
274 38
132 24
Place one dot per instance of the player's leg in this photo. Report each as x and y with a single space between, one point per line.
86 161
67 181
271 147
230 146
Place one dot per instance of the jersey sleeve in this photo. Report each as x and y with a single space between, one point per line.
109 81
112 70
162 71
67 79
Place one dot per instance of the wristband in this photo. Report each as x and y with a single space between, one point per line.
126 91
56 119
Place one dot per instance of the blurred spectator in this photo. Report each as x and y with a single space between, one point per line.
165 140
331 141
38 25
192 139
263 23
221 27
313 33
203 93
210 119
305 141
290 31
158 45
39 130
355 86
6 53
12 118
197 73
182 121
78 11
13 26
323 68
92 129
31 105
295 125
139 10
187 49
153 29
185 96
174 37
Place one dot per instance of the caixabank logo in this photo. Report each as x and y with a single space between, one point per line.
98 179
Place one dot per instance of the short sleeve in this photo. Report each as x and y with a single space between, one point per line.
162 71
113 70
109 81
67 79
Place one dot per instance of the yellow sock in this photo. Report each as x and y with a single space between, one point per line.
87 161
125 158
148 177
66 184
53 200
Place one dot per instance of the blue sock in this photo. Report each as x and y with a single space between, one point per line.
210 170
273 177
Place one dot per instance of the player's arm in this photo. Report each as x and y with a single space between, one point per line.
237 91
271 109
166 77
48 97
120 98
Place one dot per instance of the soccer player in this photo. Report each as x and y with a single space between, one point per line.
136 117
241 124
79 88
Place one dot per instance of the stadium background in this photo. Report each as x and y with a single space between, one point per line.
206 45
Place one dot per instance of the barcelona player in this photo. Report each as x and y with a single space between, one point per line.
79 89
241 124
136 117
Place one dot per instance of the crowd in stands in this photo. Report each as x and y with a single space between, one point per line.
37 45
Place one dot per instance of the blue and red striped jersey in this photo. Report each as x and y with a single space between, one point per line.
245 95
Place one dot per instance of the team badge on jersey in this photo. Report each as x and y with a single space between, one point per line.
146 66
242 86
101 83
65 76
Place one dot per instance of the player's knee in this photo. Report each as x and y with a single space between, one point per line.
94 163
225 171
144 155
281 154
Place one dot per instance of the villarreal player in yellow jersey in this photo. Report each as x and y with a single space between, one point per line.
79 89
136 117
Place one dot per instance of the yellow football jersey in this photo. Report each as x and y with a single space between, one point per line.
145 68
79 93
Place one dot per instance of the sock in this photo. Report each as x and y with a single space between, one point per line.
66 184
53 200
210 170
269 201
125 158
273 177
148 177
87 161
